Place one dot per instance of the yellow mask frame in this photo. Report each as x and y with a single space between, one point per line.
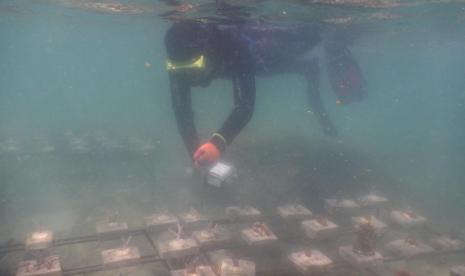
197 63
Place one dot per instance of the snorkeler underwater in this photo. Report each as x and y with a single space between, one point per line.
232 137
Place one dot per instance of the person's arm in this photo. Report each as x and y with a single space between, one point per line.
242 74
244 103
182 106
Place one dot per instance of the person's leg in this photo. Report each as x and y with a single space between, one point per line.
311 71
344 73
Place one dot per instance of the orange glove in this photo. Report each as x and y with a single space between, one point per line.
206 155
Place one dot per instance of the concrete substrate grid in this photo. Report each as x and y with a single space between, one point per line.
339 265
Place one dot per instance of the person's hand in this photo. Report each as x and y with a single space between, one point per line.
206 155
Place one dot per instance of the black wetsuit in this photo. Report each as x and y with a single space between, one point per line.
240 52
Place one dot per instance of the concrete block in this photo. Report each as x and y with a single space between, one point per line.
177 248
407 219
320 228
49 266
311 262
258 234
120 256
409 247
39 240
360 260
294 211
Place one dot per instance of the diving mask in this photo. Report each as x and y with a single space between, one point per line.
197 63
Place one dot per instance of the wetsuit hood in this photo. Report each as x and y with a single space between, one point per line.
186 41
